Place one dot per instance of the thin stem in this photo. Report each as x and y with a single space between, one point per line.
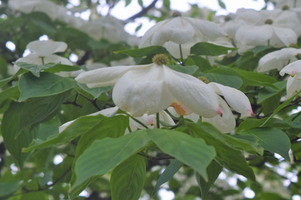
92 101
181 54
136 120
42 59
158 120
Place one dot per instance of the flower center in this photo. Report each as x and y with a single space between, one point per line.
176 14
204 79
227 18
285 7
160 59
268 21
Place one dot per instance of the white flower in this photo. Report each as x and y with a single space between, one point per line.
293 86
277 59
181 30
250 36
43 53
151 88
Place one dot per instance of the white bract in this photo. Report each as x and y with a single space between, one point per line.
43 53
181 30
277 59
293 84
151 88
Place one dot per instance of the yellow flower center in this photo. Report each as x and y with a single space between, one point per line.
285 7
268 21
160 59
204 79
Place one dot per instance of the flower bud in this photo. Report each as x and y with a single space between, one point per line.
285 7
204 79
176 14
268 21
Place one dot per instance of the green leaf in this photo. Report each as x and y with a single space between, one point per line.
208 49
191 151
249 145
201 62
227 157
221 4
128 178
213 170
60 67
113 151
45 85
7 80
168 173
224 79
33 68
281 107
9 187
10 128
138 53
249 78
184 69
95 91
166 4
7 96
78 127
138 28
140 2
127 2
36 110
268 92
271 139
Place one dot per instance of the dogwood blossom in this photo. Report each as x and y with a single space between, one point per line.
181 30
277 59
43 53
140 89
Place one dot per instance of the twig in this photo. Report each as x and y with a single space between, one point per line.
143 11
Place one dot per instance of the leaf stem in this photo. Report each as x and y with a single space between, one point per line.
158 120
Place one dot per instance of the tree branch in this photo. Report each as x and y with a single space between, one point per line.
143 11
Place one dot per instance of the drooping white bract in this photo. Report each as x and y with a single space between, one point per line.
277 59
181 30
151 88
43 53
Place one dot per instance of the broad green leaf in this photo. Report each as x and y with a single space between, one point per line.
10 128
166 4
268 92
191 151
224 79
78 127
208 49
184 69
138 53
120 123
249 145
213 170
95 91
38 109
33 68
201 62
37 195
7 96
281 107
227 157
273 122
271 139
249 78
103 155
168 173
7 80
128 178
9 187
45 85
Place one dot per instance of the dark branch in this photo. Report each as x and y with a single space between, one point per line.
143 11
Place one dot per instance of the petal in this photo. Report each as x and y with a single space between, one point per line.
56 59
104 76
47 47
209 29
270 61
176 30
225 123
293 85
180 108
31 59
191 92
235 98
291 69
166 118
286 35
254 35
145 40
142 91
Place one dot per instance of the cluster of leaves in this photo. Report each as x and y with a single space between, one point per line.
99 157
